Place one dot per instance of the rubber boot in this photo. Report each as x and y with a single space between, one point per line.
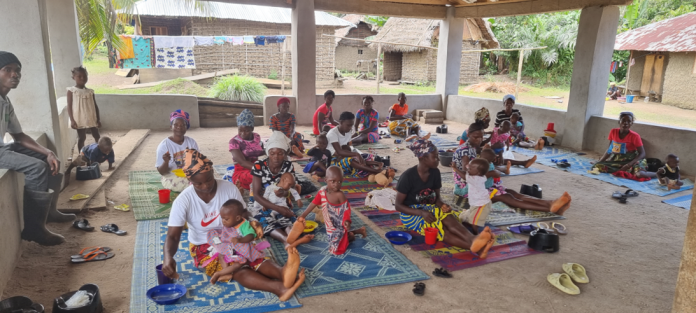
54 216
36 207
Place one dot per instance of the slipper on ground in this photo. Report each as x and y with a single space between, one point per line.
564 283
576 272
113 228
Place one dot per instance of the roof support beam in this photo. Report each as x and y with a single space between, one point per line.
531 7
365 7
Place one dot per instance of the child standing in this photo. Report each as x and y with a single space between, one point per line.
82 108
336 212
479 198
321 157
668 175
94 153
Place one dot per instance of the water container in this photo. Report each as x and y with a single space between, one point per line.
629 98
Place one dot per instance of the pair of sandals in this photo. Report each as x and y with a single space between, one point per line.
574 273
527 228
90 254
623 197
562 163
443 273
83 224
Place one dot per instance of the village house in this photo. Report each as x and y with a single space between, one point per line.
354 55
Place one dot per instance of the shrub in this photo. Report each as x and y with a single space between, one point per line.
273 75
238 88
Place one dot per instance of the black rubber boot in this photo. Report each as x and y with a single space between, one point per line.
54 216
36 207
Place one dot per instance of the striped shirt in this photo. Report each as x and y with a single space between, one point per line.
501 116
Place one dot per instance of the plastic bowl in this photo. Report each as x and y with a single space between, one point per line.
446 158
312 225
14 304
398 237
179 172
166 294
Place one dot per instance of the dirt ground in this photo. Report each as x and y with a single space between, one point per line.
631 252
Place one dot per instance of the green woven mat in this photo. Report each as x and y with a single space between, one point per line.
142 188
366 146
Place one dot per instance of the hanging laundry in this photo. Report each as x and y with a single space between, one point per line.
204 40
219 40
237 40
173 41
633 62
142 49
621 64
176 58
248 39
613 67
260 40
126 51
275 39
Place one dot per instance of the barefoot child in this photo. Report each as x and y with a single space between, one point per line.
336 212
321 157
500 138
479 198
517 134
668 175
82 108
278 193
93 153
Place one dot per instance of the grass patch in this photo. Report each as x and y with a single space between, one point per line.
238 88
177 86
98 65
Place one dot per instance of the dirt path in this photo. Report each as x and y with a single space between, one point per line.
631 252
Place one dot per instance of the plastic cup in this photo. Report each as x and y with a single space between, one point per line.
164 195
161 278
431 235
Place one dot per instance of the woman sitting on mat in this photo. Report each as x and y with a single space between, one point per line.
401 122
198 206
367 119
418 200
170 152
469 150
626 152
353 164
246 148
284 122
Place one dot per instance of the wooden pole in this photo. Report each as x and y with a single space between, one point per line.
519 75
628 72
379 51
282 71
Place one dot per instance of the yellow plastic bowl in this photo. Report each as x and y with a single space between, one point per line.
179 173
310 226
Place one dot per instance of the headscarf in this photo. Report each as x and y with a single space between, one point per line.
182 115
277 140
482 114
283 99
422 147
195 163
505 99
246 118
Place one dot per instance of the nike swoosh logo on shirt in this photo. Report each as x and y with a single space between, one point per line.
205 224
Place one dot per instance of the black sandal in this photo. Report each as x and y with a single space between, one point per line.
441 272
83 224
419 289
112 228
623 199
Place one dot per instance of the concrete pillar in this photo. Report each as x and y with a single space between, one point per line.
449 56
588 86
65 42
685 295
25 33
304 60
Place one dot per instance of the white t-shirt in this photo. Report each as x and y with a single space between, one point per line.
478 194
176 151
202 217
335 136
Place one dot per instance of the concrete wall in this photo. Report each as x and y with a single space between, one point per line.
348 56
144 111
67 134
150 75
353 103
678 89
461 109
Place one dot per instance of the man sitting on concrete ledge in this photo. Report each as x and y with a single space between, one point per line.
39 165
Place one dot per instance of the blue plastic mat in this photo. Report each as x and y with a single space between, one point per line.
367 263
682 202
581 164
518 170
201 295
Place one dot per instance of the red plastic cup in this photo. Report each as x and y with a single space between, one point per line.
164 195
431 235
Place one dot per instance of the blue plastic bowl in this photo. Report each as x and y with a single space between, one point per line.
166 294
398 237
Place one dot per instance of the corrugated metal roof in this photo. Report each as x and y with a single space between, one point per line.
231 11
677 34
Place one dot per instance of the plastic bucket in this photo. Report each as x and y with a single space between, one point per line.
629 98
161 278
431 235
164 195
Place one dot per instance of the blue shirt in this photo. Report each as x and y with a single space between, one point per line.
93 153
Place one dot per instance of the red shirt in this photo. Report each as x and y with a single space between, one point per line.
628 144
323 109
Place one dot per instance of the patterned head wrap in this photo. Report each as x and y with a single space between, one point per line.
277 140
422 147
283 99
180 114
482 114
195 163
246 118
505 99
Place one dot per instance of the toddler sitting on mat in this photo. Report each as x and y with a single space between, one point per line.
278 193
668 175
321 157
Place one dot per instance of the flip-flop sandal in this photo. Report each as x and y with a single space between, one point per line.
631 193
419 289
559 228
521 229
83 224
617 194
623 199
112 228
99 256
86 252
441 272
563 164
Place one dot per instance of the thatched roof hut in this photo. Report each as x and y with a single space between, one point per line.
351 55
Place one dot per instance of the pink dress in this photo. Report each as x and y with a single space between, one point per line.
232 252
335 216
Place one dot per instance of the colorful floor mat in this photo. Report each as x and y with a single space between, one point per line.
581 164
142 189
682 202
520 170
376 145
201 295
368 262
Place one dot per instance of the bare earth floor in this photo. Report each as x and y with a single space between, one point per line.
631 252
